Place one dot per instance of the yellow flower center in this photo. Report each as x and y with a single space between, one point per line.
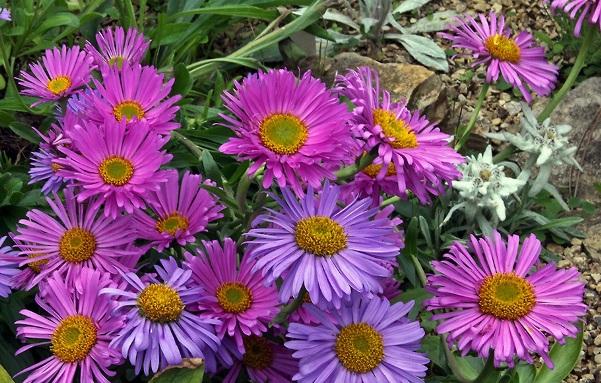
117 60
506 296
55 167
77 245
116 170
485 174
73 338
172 223
160 302
398 130
59 84
283 133
359 348
503 48
234 297
373 170
128 109
36 266
320 235
258 353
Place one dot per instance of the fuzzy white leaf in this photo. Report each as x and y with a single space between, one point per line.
334 15
423 50
436 22
409 5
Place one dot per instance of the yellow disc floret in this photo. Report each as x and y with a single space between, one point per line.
77 245
234 297
172 223
506 296
116 170
73 338
320 235
400 133
160 302
59 85
503 48
359 347
283 133
128 109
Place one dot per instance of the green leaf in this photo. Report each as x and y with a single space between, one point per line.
433 23
423 50
58 19
469 366
247 11
409 5
190 371
4 376
524 373
418 295
433 346
560 222
564 358
182 83
24 131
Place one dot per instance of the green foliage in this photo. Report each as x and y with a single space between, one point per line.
191 371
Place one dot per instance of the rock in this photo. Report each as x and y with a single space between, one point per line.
513 108
423 88
592 243
597 340
581 108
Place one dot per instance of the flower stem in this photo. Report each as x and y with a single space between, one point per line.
241 191
390 201
290 308
365 160
191 146
572 76
463 134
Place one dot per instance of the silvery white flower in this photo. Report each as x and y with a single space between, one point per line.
547 144
484 187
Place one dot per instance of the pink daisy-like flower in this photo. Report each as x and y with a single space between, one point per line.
296 128
118 164
76 237
495 300
134 92
242 301
589 10
369 183
61 72
181 211
521 63
116 47
78 328
264 361
410 148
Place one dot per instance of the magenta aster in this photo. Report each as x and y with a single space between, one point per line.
410 148
496 300
294 127
264 361
61 72
242 301
133 93
581 10
521 63
160 327
8 268
331 251
118 164
77 328
74 238
180 211
366 341
117 47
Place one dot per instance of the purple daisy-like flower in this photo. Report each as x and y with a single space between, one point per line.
180 211
239 296
117 163
410 148
296 128
328 250
76 237
368 183
5 14
495 301
78 328
133 93
160 329
8 268
44 167
263 360
581 10
27 271
61 72
521 63
117 47
366 341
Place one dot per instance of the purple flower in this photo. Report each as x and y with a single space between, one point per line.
521 63
180 211
44 167
5 14
328 250
116 47
61 72
494 300
8 268
160 329
133 93
119 164
264 361
366 341
72 239
78 328
295 128
589 10
410 148
239 297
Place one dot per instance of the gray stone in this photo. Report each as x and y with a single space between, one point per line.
581 108
422 88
